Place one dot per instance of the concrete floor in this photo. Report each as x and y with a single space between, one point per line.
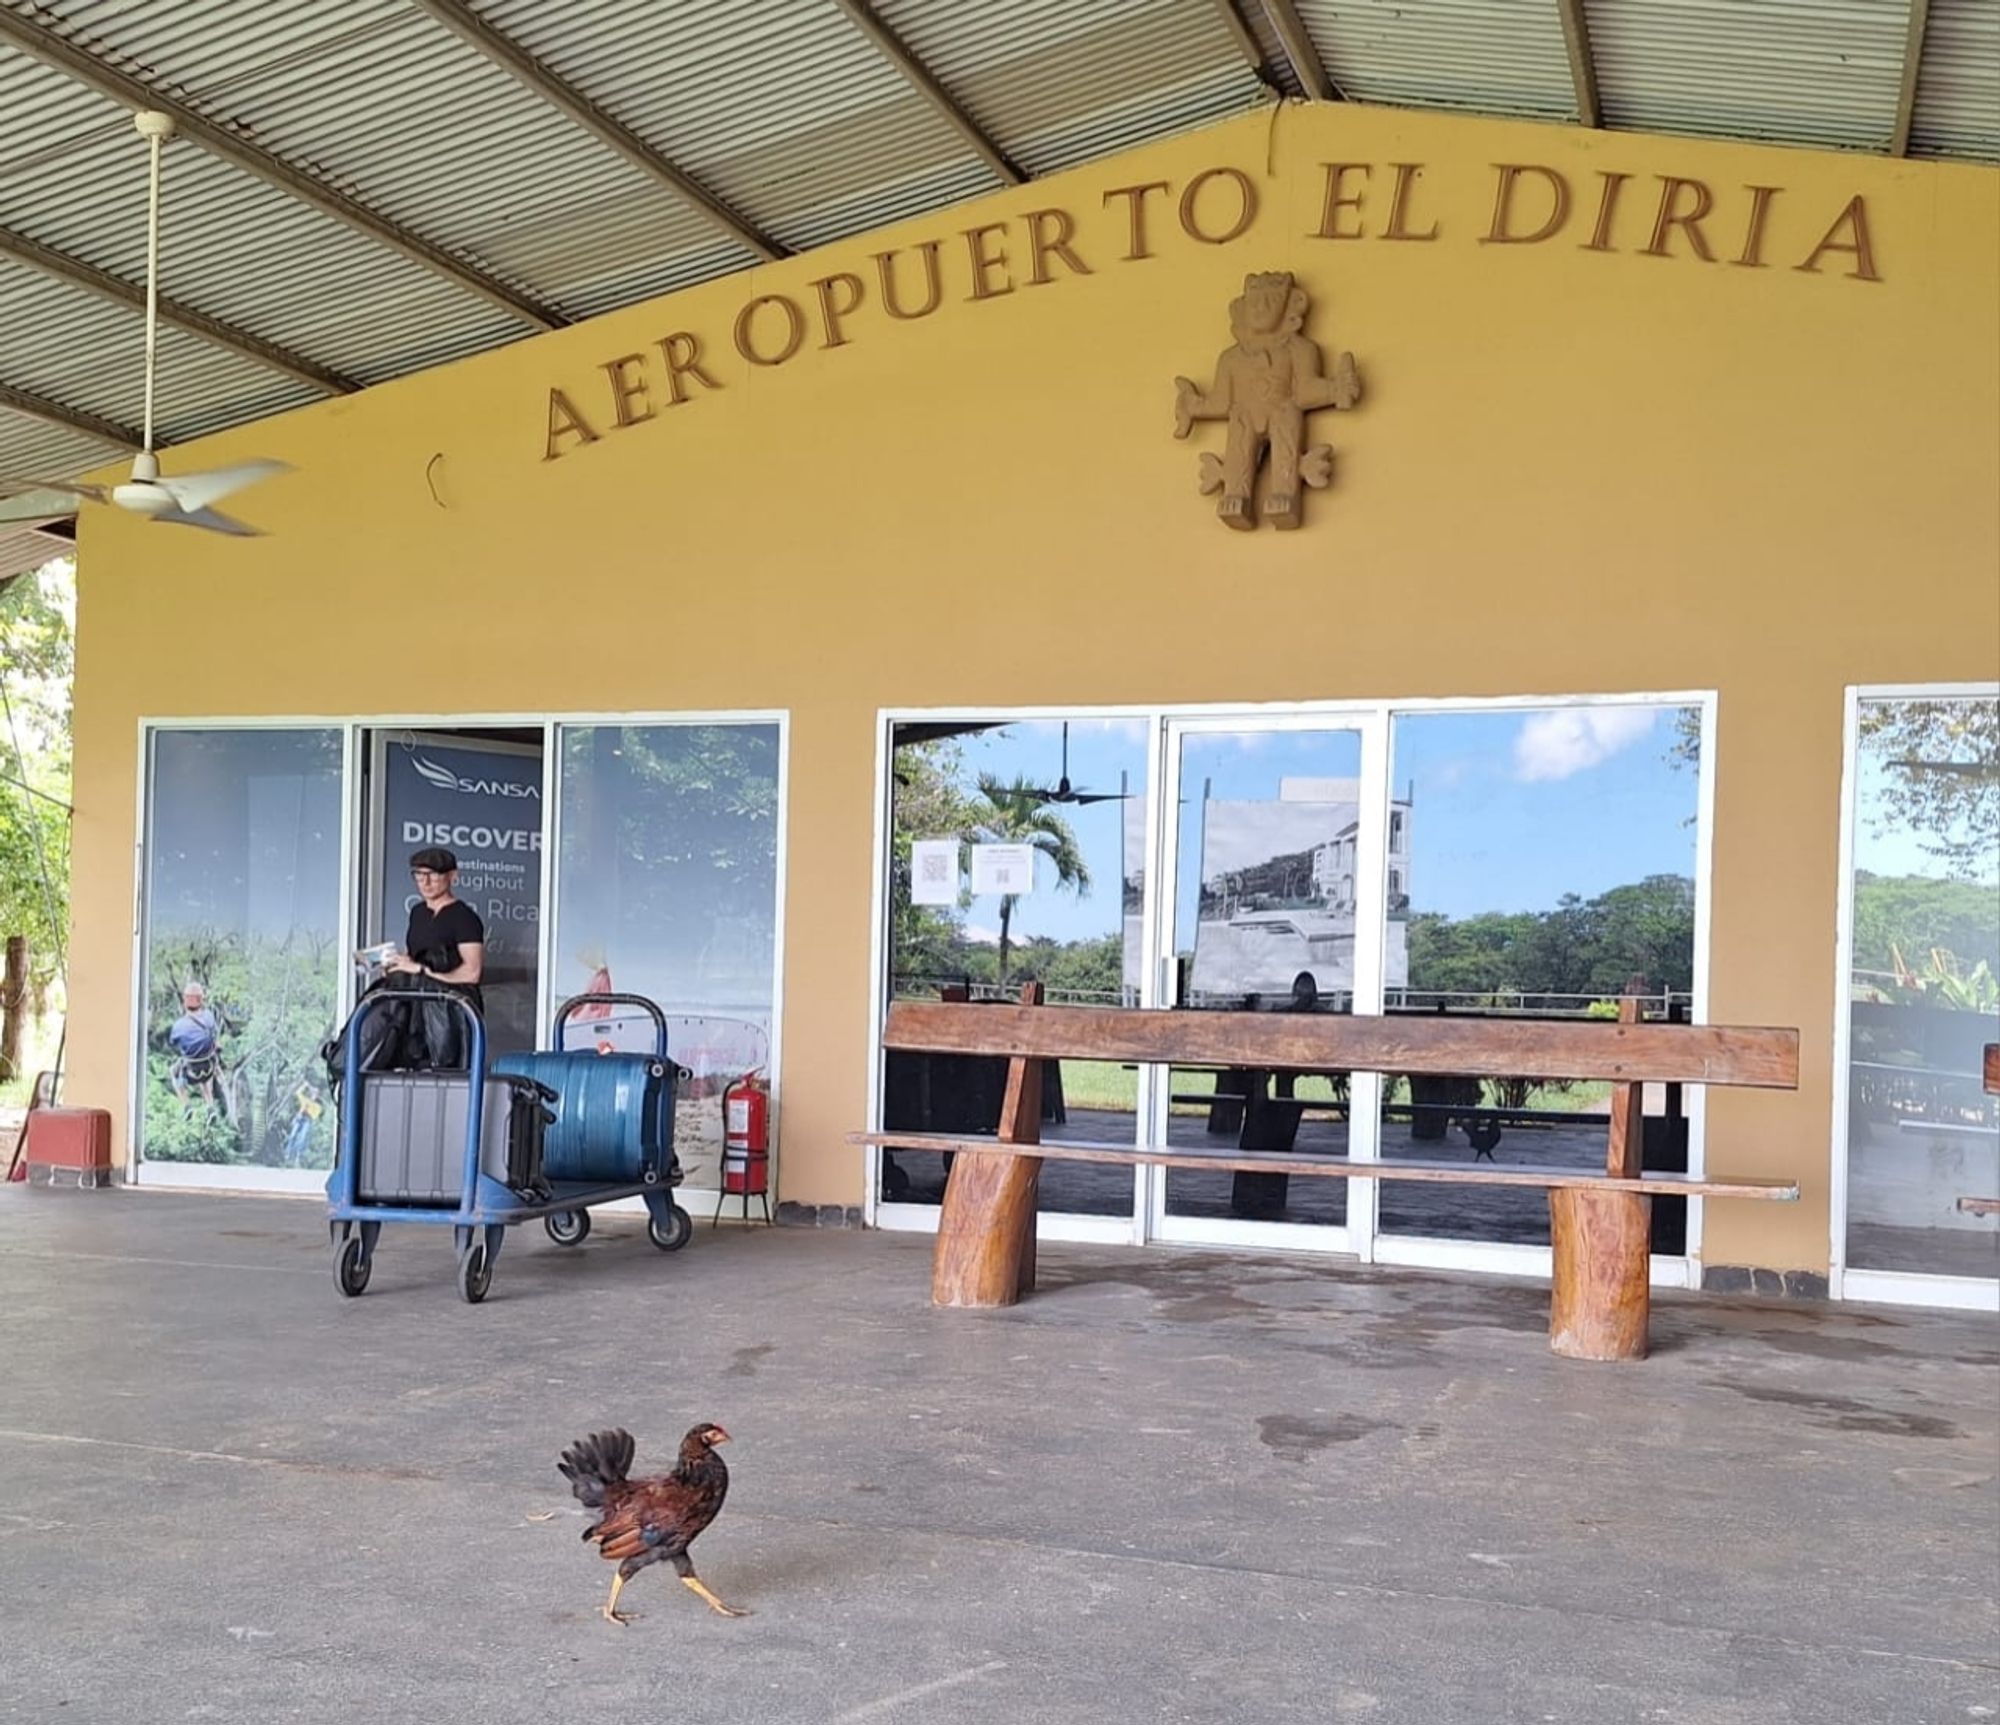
1171 1487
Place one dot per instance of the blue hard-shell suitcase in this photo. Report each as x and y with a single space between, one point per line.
614 1114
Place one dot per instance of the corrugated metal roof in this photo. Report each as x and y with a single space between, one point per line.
466 188
1054 83
1490 56
783 109
1958 82
1821 72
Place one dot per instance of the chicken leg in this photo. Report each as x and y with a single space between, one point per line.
611 1613
694 1581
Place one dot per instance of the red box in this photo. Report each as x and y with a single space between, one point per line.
69 1145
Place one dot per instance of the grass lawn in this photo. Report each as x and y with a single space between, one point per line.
1114 1088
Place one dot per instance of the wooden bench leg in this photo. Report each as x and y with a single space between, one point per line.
986 1232
1601 1297
985 1253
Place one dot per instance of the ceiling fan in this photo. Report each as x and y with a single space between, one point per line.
1064 792
183 499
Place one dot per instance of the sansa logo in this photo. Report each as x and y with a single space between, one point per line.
447 780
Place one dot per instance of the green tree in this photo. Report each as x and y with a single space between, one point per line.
37 657
1942 776
1016 814
926 940
1915 915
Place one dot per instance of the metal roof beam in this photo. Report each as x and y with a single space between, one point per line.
553 88
1247 44
1582 63
893 48
1913 60
1307 66
74 270
54 50
71 418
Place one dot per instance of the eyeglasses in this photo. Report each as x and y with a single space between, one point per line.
426 874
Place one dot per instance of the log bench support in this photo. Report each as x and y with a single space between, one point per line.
985 1252
1600 1297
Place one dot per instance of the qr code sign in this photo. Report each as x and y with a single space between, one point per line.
933 869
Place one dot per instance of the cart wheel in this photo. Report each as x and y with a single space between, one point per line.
568 1227
676 1234
475 1273
350 1268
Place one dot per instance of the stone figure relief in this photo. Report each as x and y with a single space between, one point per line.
1265 385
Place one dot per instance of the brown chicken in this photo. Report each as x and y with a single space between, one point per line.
649 1520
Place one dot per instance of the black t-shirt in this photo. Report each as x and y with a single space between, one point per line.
456 925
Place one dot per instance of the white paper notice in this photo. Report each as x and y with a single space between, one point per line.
934 871
1003 869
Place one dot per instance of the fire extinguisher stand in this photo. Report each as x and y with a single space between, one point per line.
746 1145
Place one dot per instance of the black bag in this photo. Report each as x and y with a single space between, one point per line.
417 1035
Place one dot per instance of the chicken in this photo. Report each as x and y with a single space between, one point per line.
649 1520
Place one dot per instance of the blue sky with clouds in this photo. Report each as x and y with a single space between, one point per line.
1511 809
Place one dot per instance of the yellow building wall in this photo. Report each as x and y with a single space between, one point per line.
1576 469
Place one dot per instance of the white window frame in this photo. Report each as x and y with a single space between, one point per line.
1368 1243
1888 1287
312 1182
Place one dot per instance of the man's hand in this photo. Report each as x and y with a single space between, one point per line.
404 962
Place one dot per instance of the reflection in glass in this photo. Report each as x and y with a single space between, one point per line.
1073 794
1924 991
1553 871
666 885
1264 919
241 968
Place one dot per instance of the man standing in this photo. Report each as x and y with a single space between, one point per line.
445 946
193 1037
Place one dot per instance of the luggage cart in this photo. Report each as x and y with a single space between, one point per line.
407 1158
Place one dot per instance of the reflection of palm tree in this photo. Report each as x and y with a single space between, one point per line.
1016 815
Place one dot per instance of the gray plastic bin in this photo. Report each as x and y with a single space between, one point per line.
413 1135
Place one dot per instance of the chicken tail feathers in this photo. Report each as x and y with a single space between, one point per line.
596 1463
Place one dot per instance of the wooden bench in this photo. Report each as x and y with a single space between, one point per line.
1599 1223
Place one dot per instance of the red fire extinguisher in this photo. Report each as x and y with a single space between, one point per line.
746 1141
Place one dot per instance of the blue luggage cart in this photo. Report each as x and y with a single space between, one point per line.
453 1164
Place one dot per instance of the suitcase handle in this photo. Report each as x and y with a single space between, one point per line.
577 1002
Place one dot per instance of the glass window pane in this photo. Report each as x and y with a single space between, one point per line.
666 885
1545 862
1923 999
1264 916
242 925
1074 793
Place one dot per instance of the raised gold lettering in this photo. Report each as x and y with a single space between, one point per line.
1246 192
1607 202
1407 174
682 352
1857 244
1338 199
795 330
629 401
564 421
1752 254
885 270
984 263
1671 216
1056 244
1136 214
1502 231
832 310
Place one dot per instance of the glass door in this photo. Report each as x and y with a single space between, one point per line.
1274 867
242 932
1015 846
1920 1137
